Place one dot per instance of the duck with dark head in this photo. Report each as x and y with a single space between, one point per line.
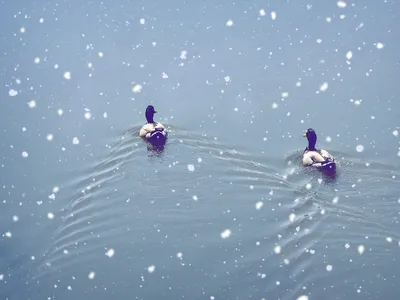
153 132
314 157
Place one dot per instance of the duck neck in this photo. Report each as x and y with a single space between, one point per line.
311 148
311 145
312 140
149 118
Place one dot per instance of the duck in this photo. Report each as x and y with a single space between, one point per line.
153 132
314 157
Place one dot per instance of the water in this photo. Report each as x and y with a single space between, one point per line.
225 210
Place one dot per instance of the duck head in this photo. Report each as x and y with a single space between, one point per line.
150 111
311 137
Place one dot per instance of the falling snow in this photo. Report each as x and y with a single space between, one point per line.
88 115
110 253
259 205
360 148
292 217
137 88
67 75
32 104
183 55
12 93
225 234
323 87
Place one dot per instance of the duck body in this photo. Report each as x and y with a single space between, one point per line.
318 158
153 132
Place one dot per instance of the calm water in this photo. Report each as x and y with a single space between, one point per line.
225 211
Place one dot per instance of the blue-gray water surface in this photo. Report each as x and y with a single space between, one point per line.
88 210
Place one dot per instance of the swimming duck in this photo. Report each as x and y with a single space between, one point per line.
316 157
154 132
